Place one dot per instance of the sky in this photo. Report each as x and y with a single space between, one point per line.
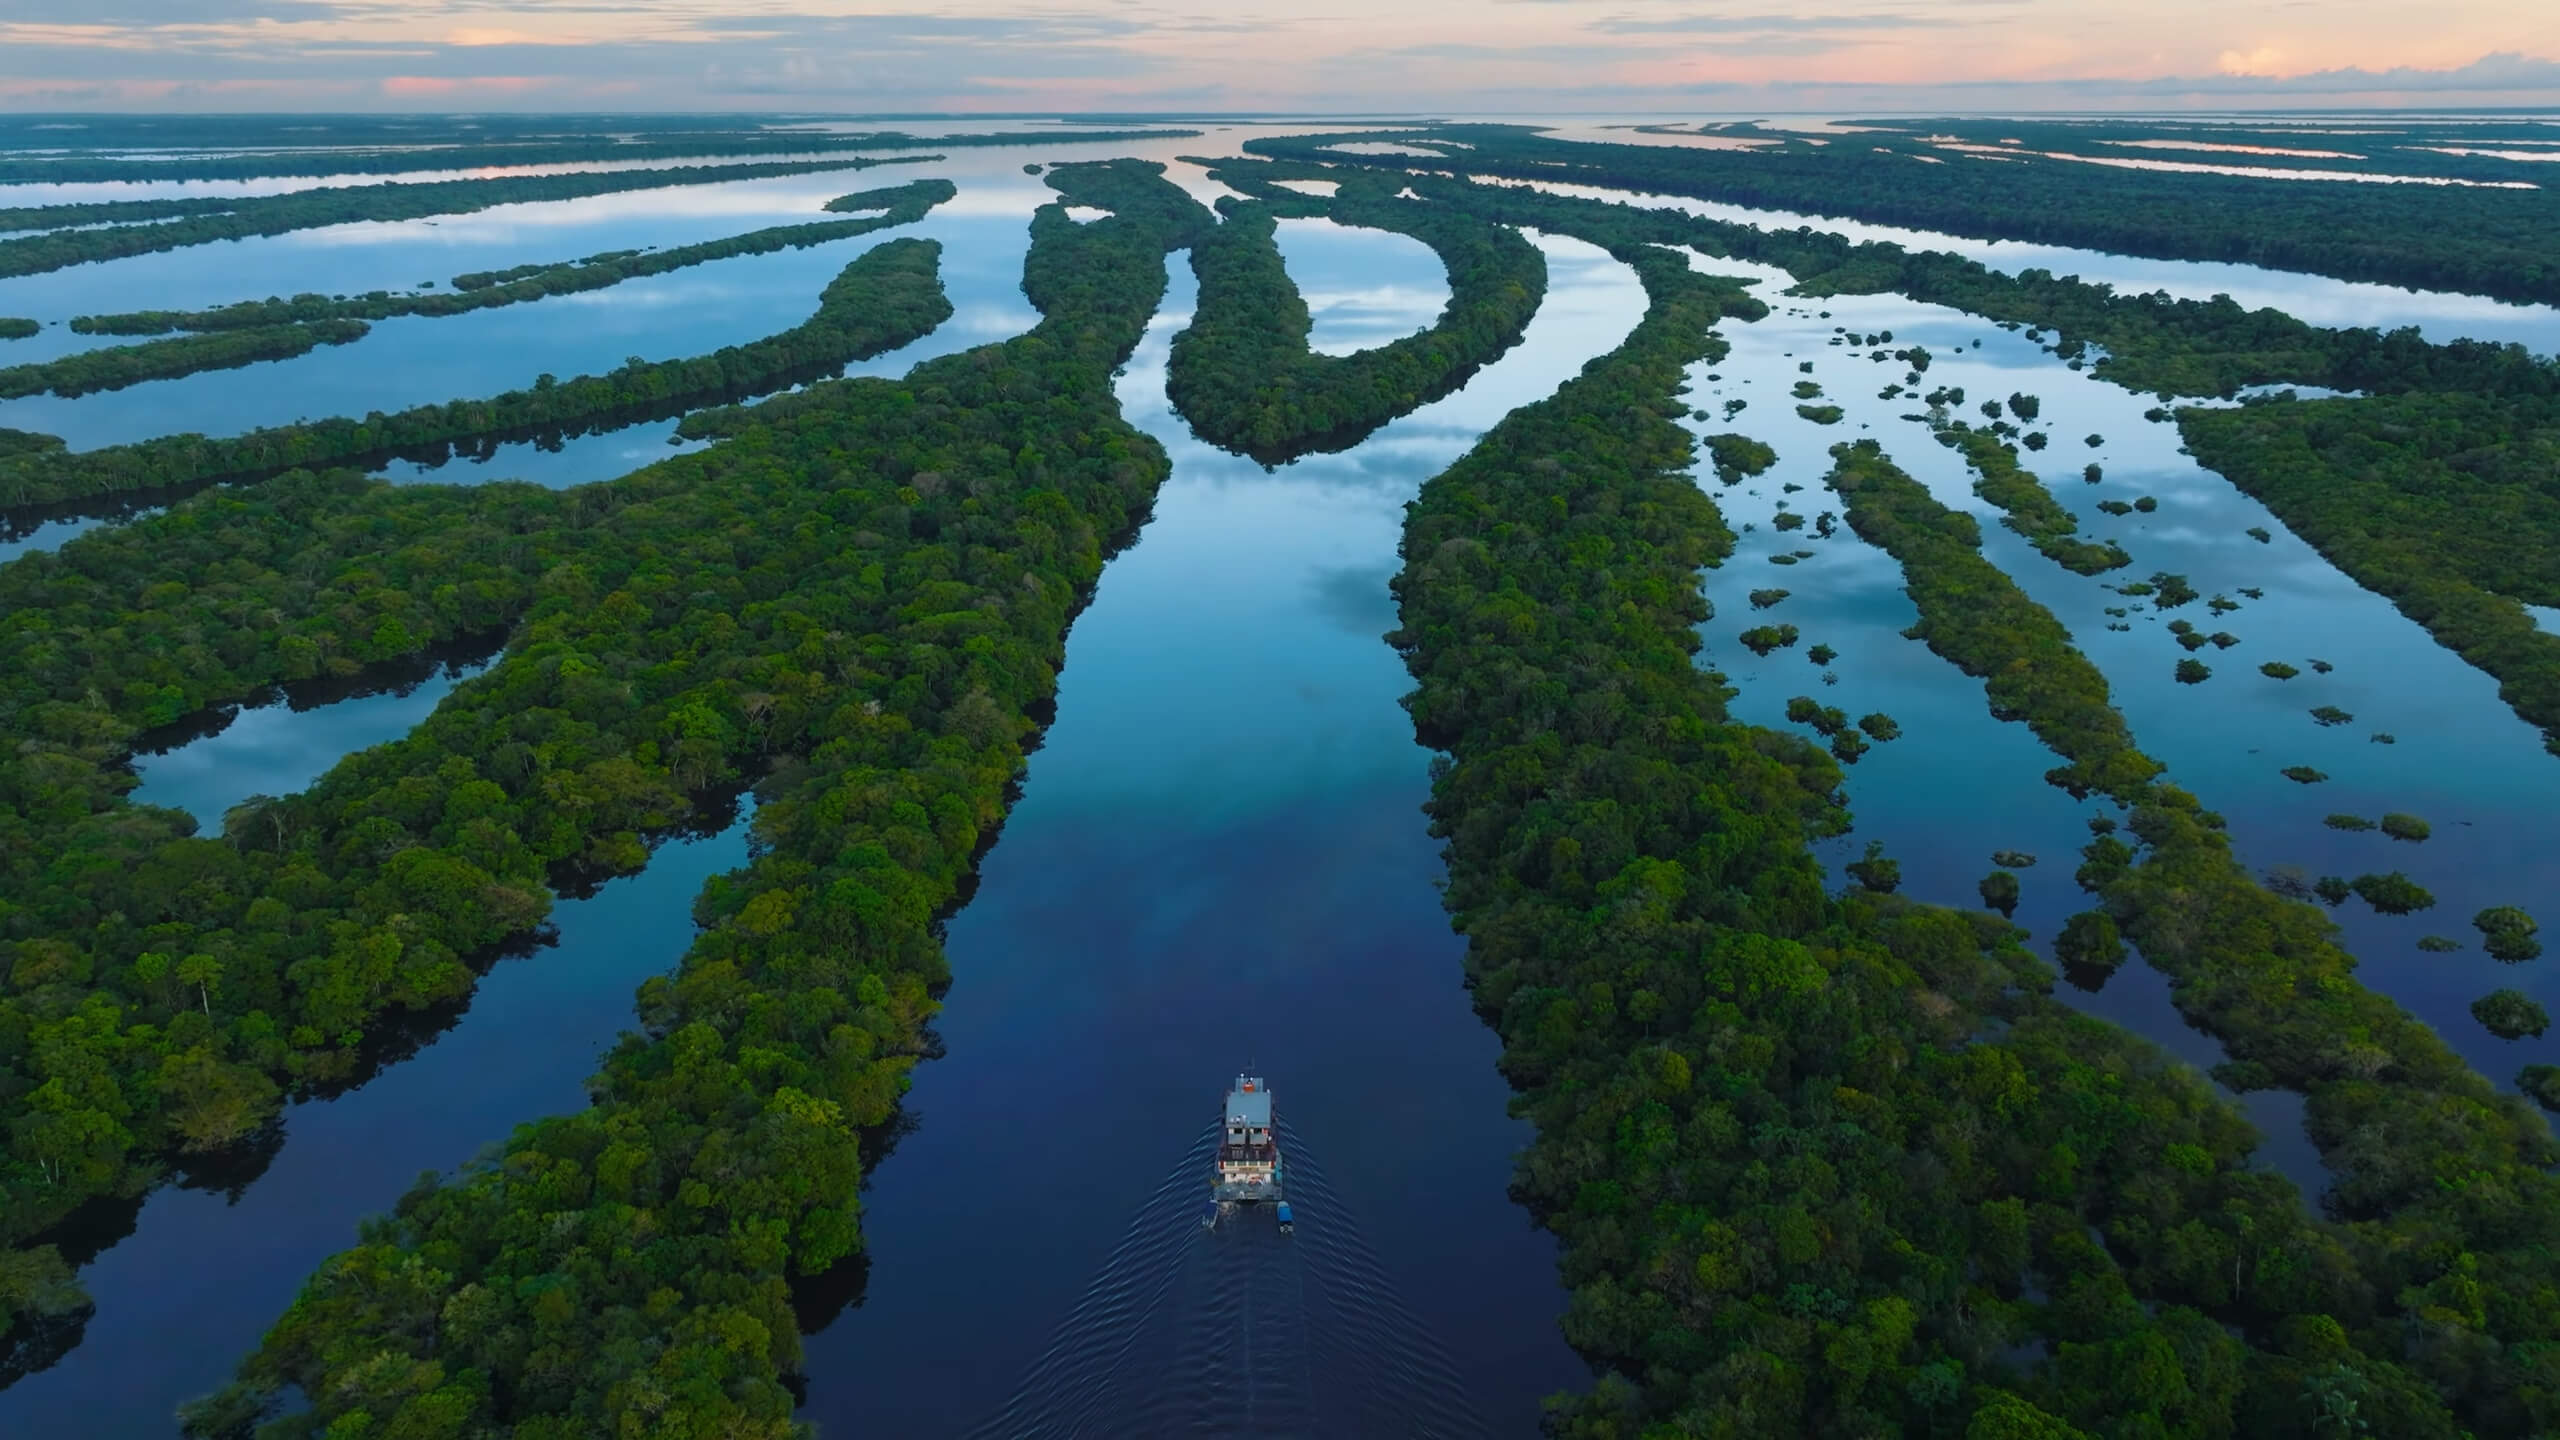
1297 56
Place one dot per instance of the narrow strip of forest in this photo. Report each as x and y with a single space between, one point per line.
905 205
867 310
2446 503
116 366
202 221
1242 373
2448 1182
2027 506
869 598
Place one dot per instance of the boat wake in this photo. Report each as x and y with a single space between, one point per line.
1239 1329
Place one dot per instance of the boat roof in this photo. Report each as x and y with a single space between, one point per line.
1249 1103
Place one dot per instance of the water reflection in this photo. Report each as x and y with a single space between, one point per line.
288 739
1393 278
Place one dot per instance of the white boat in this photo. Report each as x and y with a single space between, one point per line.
1247 1170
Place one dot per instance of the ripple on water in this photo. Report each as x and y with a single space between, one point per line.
1190 1330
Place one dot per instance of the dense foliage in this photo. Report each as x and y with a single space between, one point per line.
1242 374
884 299
176 224
2484 241
869 597
2447 1186
2447 503
116 366
904 205
1737 458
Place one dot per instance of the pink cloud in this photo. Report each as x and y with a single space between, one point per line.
459 84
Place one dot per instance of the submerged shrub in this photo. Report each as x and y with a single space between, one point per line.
1761 639
1825 719
2406 827
1880 727
2510 1015
2438 944
1763 599
2303 774
2542 1082
2507 933
2331 715
2278 670
2000 891
1874 871
2193 672
2090 938
2348 822
2393 894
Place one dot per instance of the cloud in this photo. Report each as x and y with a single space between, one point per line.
2498 73
1764 24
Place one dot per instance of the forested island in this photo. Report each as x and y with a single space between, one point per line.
1242 372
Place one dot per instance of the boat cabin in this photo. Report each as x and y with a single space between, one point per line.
1246 1152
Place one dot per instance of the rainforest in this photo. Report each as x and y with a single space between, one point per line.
653 782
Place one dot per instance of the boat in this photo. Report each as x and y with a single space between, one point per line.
1247 1170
